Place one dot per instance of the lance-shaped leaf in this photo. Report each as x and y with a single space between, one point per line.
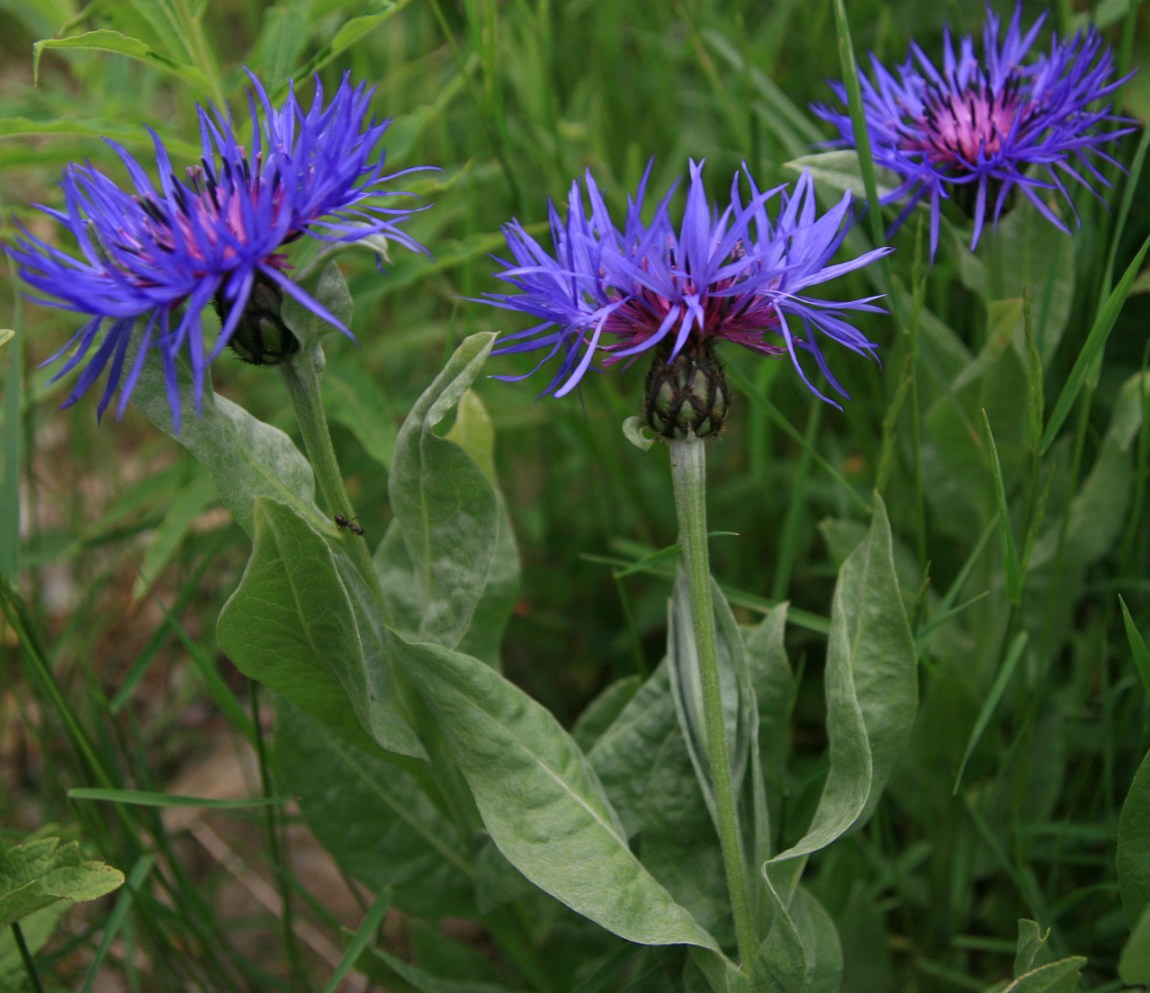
245 457
498 591
872 695
302 623
871 688
373 817
540 799
1133 857
740 718
446 509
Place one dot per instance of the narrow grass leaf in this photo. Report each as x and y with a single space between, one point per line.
1093 346
849 68
115 920
182 513
1012 567
146 798
10 455
1138 647
990 704
364 935
541 801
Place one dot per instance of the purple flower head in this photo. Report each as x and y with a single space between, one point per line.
157 255
725 273
981 129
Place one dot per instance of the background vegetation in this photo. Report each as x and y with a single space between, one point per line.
1034 712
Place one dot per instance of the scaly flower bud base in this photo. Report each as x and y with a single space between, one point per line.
687 395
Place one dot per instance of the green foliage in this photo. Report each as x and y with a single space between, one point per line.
1008 435
43 871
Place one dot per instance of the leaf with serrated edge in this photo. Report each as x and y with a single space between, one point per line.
43 870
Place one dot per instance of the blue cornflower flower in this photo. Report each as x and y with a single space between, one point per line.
724 274
980 130
157 255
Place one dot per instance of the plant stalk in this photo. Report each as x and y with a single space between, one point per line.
301 376
688 474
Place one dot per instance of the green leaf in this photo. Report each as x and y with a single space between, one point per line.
331 291
871 688
603 711
1027 255
541 801
679 844
1138 647
802 952
41 871
1091 527
774 686
715 970
423 981
1134 963
625 753
475 434
354 398
739 716
180 516
1031 941
36 928
6 335
302 623
1011 565
372 816
840 170
246 457
105 40
1133 856
351 31
446 510
282 40
990 704
1093 347
1056 977
147 798
365 935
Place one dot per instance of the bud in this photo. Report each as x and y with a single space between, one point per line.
260 337
687 395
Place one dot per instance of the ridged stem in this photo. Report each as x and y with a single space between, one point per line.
689 475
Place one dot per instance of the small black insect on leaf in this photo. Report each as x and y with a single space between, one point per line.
342 522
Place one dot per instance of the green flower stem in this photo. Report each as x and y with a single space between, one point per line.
301 376
689 474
